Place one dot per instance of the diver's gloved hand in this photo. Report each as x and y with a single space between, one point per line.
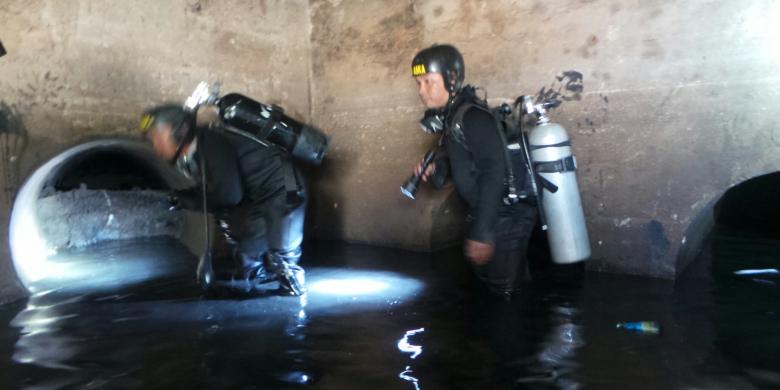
188 199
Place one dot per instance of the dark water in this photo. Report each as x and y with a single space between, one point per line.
384 319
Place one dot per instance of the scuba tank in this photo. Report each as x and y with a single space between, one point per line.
268 124
555 166
265 124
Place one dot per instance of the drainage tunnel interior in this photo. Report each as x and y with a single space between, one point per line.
106 169
676 141
98 194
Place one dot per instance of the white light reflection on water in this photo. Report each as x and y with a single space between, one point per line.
757 271
347 289
415 350
358 286
404 346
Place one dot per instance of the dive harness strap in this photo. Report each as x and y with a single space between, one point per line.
292 183
456 130
513 194
558 145
566 164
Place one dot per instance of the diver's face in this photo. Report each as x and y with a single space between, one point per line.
161 137
430 87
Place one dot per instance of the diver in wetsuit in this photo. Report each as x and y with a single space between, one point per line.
471 153
255 192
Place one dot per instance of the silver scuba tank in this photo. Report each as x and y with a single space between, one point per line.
556 166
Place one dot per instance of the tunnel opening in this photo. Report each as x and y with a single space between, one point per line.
745 237
73 210
747 211
751 207
739 267
107 170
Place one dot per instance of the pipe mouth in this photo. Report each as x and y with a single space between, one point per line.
96 192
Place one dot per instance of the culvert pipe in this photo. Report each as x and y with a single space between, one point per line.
109 190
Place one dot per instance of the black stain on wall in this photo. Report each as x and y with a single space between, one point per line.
2 49
196 6
13 141
567 86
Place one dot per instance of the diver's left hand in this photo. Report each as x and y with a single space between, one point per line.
478 252
207 114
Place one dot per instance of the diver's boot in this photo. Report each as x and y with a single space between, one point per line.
292 281
254 277
292 278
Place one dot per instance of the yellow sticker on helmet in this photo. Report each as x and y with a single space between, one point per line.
418 69
146 122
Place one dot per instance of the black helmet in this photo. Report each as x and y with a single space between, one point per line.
444 59
181 120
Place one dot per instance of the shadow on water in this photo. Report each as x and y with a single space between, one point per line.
387 319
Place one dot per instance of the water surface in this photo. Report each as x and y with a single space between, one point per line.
386 319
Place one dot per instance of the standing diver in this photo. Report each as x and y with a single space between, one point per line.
471 154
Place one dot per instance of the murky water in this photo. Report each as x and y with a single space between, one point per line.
384 319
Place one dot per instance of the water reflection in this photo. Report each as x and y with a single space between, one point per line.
113 265
406 375
414 350
36 323
296 331
556 362
718 333
90 339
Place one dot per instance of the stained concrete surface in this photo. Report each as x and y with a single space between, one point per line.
676 108
670 117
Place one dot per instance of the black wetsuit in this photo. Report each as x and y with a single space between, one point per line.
473 156
258 197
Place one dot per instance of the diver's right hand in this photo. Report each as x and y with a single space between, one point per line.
429 170
173 202
187 199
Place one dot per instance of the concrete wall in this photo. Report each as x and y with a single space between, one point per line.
85 69
678 105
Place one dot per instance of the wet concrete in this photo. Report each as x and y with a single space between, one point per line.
387 319
82 217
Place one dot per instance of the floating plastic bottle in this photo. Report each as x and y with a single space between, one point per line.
650 327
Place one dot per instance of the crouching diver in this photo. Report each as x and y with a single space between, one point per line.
255 192
471 153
